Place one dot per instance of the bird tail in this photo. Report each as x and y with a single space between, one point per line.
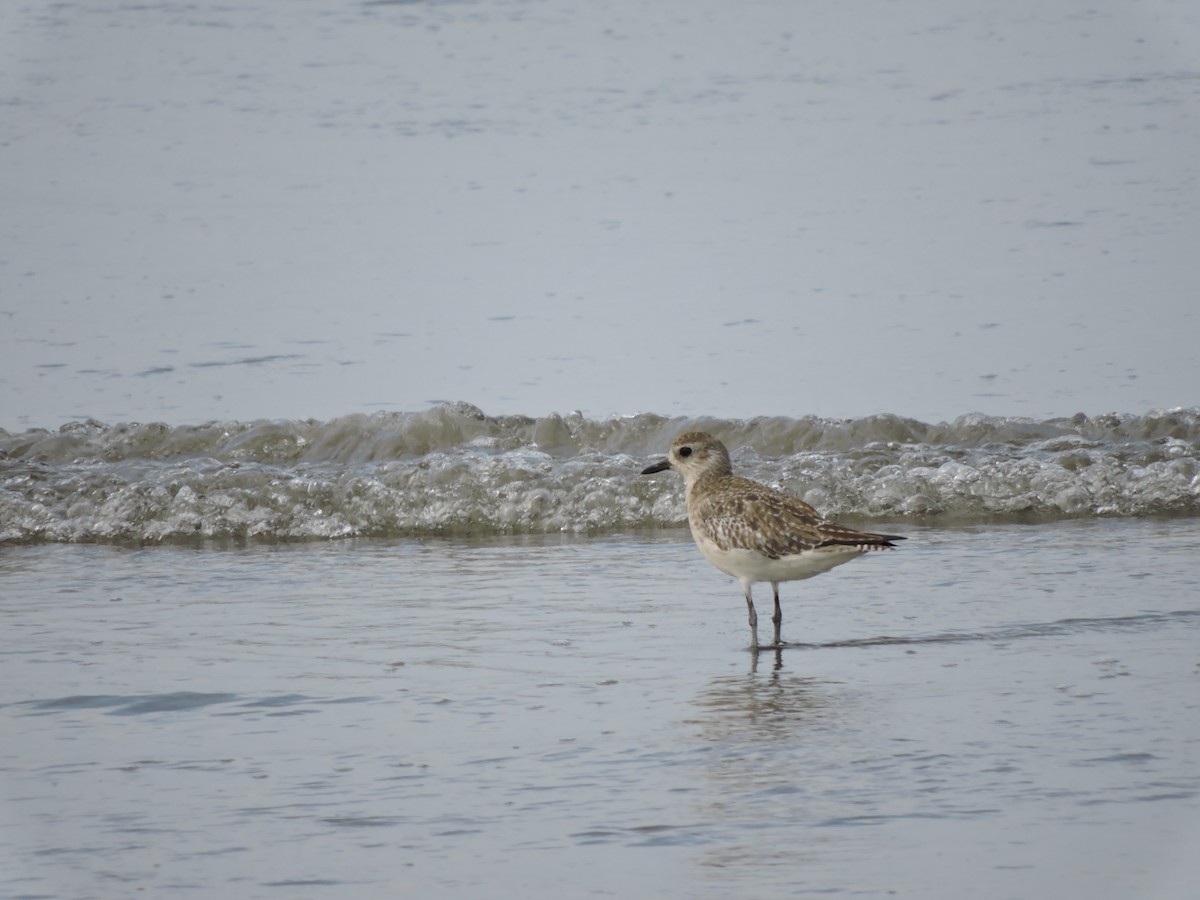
862 540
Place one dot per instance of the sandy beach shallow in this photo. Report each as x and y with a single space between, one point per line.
990 712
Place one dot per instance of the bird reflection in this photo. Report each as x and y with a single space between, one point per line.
778 655
759 730
767 705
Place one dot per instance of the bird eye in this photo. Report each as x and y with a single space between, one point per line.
685 451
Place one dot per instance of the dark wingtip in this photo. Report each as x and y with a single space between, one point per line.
866 541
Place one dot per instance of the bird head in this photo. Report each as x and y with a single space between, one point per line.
693 454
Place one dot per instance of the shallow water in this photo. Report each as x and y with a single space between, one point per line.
992 712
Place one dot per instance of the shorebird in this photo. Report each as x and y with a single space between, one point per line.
753 532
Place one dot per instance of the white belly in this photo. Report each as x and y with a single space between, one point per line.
748 565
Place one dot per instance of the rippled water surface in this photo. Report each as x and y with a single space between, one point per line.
279 621
283 209
1003 711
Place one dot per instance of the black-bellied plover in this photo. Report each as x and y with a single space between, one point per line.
753 532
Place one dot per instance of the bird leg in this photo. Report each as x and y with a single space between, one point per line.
753 616
777 619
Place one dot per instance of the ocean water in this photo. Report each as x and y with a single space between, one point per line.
333 337
455 470
999 711
275 209
450 654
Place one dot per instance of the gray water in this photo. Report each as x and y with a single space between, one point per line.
279 621
455 470
993 712
278 209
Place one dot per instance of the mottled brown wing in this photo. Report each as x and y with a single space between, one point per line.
841 536
744 514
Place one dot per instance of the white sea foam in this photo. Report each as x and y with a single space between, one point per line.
455 469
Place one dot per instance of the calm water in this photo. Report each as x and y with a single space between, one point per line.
278 209
1008 711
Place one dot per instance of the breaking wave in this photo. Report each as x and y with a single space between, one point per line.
454 469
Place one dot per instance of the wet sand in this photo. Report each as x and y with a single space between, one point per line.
988 712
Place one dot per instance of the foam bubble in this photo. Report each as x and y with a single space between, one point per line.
454 469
